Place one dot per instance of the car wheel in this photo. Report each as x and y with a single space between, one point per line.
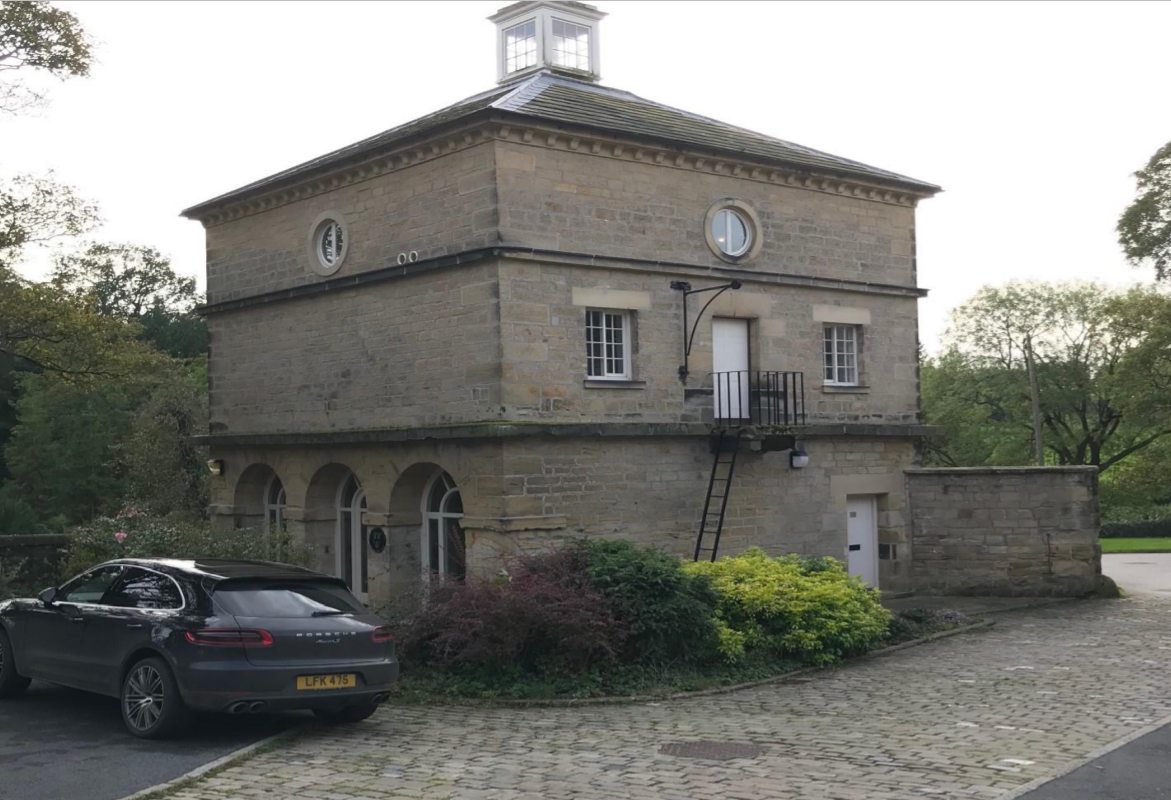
12 683
151 705
347 714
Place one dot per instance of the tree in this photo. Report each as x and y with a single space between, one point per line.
1097 404
47 332
37 210
124 280
138 284
1144 229
167 468
65 454
38 36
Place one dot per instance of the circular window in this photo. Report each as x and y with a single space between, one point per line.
328 242
732 230
731 233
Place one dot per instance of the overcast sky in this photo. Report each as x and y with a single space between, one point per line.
1032 116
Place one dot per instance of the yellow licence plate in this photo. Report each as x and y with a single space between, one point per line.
314 682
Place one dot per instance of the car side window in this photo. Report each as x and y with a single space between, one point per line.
141 588
91 586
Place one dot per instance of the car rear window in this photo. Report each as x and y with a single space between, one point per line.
286 599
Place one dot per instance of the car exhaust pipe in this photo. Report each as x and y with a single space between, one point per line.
382 698
256 707
238 708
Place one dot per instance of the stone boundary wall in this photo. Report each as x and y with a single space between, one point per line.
1005 531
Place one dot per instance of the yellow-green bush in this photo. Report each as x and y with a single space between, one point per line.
810 609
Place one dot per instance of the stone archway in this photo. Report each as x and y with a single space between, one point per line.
411 518
320 515
258 498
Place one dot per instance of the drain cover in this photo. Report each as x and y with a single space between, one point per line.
712 751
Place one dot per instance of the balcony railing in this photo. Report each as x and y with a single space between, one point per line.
754 397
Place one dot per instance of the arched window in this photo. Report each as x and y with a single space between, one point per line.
352 561
443 536
274 503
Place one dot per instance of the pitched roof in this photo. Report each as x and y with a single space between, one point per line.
556 98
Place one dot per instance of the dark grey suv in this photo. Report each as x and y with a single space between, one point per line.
168 637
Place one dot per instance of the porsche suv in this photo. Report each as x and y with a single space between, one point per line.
169 637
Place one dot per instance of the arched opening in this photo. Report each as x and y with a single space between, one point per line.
254 492
353 564
444 547
321 518
274 503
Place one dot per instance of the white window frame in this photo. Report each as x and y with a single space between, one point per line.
553 39
833 347
749 233
536 48
274 509
441 518
356 532
627 350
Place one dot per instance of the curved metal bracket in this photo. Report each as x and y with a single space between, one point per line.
689 335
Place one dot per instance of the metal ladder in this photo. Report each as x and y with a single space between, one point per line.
727 447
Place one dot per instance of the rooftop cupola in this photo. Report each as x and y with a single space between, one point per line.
557 35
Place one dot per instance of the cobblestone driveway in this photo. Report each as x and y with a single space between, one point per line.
972 716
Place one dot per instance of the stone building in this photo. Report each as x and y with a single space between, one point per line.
556 309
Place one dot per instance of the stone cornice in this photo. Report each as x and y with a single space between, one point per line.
572 430
495 125
666 268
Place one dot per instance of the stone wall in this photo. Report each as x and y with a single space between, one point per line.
419 351
440 206
585 202
1005 530
542 331
522 493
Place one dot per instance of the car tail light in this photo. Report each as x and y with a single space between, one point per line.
230 637
381 634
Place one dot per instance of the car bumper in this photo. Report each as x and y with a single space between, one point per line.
224 688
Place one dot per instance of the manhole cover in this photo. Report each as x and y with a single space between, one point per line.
712 751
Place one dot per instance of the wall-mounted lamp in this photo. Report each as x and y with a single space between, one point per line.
215 466
689 337
798 459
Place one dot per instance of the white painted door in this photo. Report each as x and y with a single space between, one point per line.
730 365
862 537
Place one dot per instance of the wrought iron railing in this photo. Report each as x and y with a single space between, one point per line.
755 397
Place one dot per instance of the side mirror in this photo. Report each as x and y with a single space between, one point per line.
48 596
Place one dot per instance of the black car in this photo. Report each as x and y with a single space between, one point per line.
170 637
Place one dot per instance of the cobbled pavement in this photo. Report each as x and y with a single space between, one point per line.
971 716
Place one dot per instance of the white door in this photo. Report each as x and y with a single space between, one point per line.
730 365
862 537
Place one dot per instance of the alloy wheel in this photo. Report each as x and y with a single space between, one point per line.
142 699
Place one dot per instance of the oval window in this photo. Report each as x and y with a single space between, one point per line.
731 232
331 242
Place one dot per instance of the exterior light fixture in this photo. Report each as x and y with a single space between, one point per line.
798 459
689 337
215 466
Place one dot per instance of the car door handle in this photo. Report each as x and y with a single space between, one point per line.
76 619
135 626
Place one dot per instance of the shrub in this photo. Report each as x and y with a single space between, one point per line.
135 535
669 612
791 607
915 623
542 618
1141 529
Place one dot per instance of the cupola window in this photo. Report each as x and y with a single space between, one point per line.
520 47
571 45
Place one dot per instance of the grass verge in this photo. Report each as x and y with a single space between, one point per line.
1136 545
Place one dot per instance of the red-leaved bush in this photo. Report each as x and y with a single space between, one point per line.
543 617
